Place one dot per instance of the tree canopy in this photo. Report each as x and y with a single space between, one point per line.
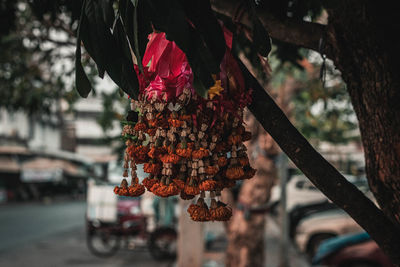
358 37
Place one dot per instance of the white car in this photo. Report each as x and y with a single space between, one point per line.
301 191
314 229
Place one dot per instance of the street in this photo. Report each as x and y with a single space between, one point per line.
53 235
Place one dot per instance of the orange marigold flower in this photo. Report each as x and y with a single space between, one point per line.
208 185
122 190
136 190
151 131
211 170
153 168
170 158
152 123
155 152
234 139
200 153
140 154
191 190
185 196
172 189
191 208
220 147
184 152
222 161
234 172
159 190
116 189
185 117
219 211
179 183
148 182
163 123
175 122
199 212
244 161
140 126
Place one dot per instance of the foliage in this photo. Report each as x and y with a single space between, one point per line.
35 70
112 30
320 112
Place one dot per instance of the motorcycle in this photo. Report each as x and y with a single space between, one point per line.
129 231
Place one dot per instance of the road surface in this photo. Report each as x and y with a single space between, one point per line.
53 235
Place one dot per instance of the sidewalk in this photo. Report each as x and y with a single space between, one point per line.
272 240
272 246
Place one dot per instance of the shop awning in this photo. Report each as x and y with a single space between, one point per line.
9 165
47 170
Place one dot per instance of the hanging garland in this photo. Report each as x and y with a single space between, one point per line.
188 145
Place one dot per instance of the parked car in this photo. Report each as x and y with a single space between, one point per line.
303 210
317 227
355 250
300 191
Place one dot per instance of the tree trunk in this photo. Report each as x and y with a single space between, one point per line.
322 173
246 230
365 58
361 38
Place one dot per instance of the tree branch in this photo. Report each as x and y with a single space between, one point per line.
321 172
302 33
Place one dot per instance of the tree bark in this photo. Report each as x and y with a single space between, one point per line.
321 172
361 40
366 66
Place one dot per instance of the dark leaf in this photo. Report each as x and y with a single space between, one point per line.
90 36
199 86
82 82
261 39
108 12
200 14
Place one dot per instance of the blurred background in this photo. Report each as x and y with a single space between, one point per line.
60 157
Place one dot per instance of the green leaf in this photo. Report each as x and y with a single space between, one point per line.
123 65
82 82
108 12
90 35
199 86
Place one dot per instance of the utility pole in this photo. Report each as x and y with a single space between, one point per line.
283 176
190 239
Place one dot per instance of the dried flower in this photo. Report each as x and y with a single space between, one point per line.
199 212
234 172
212 170
149 182
234 139
200 153
152 168
208 185
140 126
170 158
185 196
219 211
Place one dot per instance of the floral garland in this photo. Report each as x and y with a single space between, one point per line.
189 145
